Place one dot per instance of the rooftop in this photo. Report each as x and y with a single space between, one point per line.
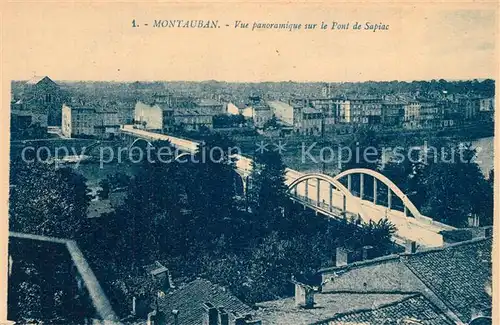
189 300
327 305
208 102
460 275
36 79
415 309
53 258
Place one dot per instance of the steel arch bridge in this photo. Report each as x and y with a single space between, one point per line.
300 190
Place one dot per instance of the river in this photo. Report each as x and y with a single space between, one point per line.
485 153
93 172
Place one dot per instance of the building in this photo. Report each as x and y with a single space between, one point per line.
37 106
330 111
343 109
332 308
259 110
365 110
486 104
202 302
168 113
392 113
89 121
42 95
431 114
456 278
411 119
197 302
304 119
441 286
213 105
195 119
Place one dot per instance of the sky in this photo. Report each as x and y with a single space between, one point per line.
82 41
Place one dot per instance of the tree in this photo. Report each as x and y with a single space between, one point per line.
456 188
267 191
47 201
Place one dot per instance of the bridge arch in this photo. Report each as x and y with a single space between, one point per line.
182 155
346 194
390 184
149 144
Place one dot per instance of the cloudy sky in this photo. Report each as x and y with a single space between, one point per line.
97 42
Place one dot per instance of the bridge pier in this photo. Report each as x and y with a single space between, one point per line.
318 203
331 198
344 205
307 189
374 190
349 179
389 198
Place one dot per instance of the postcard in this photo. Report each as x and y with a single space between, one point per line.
254 163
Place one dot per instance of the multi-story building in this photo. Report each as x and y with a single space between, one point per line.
88 120
189 119
470 108
411 118
41 95
431 114
486 104
343 110
329 109
168 113
365 110
304 119
392 113
259 110
213 105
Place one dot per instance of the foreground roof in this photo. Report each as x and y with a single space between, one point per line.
414 310
189 300
459 275
327 305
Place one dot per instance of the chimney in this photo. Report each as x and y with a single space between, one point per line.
481 232
368 252
175 312
304 296
343 256
211 315
223 317
410 247
133 305
473 221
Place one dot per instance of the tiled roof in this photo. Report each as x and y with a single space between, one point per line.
189 299
460 275
208 102
326 306
413 310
